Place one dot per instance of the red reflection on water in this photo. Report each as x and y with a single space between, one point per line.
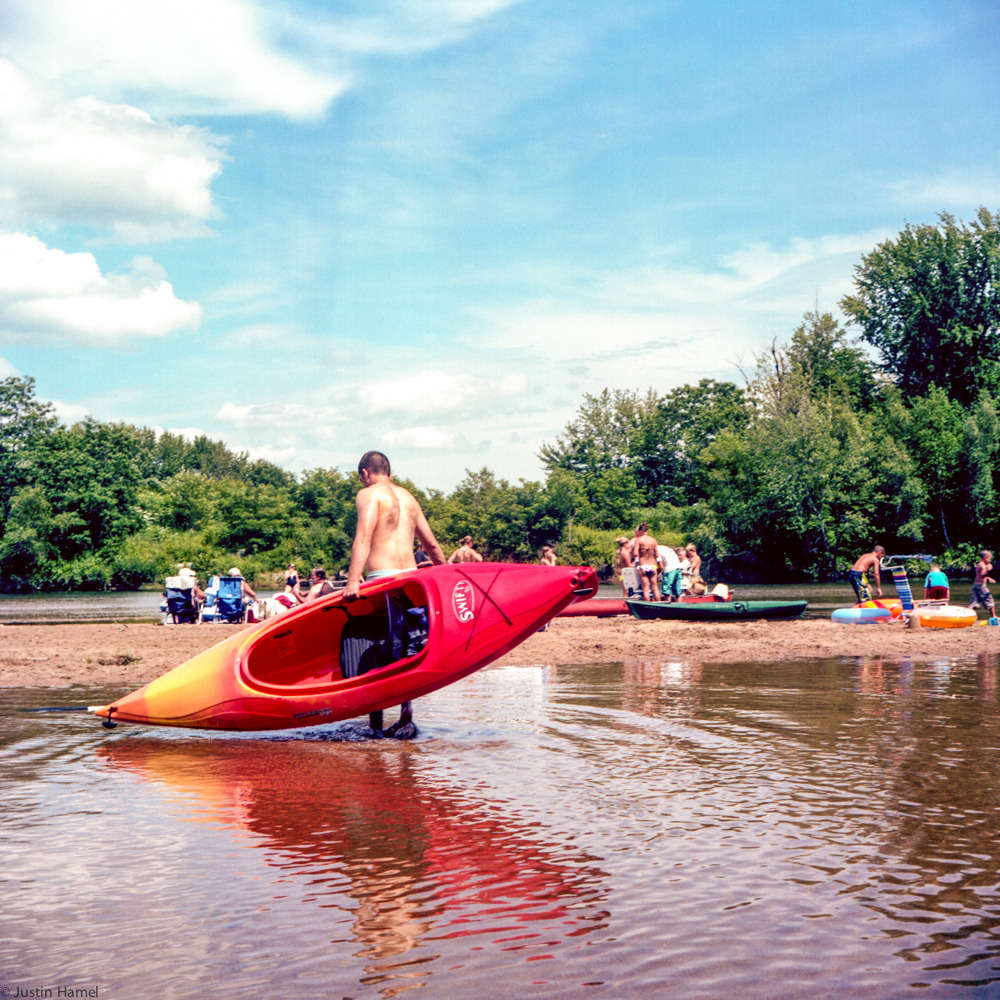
423 861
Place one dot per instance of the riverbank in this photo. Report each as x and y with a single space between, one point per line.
95 655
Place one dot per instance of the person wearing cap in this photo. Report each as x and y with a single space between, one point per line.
245 588
190 578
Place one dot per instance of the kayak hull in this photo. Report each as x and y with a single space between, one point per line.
717 611
300 669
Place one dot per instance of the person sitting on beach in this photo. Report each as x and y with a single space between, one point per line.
980 591
645 551
245 588
319 585
936 586
858 574
422 559
190 579
465 552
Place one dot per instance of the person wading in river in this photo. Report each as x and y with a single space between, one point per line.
389 518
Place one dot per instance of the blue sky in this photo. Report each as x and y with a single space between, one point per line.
309 229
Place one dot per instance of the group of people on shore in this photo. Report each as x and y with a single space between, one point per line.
664 573
936 584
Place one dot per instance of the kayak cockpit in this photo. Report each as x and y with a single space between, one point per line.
343 644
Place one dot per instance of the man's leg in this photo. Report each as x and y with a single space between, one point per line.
404 729
375 720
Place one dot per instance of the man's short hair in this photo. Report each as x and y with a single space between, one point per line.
375 463
643 528
319 572
879 548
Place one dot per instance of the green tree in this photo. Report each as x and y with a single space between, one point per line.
929 303
24 421
666 445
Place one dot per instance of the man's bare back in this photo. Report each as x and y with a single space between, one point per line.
389 518
465 553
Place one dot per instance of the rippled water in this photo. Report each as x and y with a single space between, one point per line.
647 829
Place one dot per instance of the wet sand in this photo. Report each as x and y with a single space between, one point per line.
60 656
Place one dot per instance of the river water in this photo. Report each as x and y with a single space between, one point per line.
144 606
639 829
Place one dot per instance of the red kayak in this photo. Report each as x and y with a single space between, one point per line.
332 659
596 607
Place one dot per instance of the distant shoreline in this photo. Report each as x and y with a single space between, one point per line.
61 656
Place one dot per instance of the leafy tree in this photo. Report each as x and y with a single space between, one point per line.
929 303
600 438
26 550
666 444
24 421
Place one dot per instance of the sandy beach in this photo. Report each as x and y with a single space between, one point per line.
60 656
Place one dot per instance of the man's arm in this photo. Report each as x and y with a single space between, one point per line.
878 578
367 508
428 542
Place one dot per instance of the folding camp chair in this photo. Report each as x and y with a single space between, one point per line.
181 605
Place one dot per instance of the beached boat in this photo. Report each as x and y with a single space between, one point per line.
721 611
596 607
332 659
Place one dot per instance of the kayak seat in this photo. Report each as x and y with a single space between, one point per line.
370 641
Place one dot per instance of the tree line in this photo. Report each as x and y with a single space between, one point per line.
831 443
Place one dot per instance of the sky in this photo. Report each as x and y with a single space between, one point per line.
430 227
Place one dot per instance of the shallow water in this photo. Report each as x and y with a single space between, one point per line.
620 830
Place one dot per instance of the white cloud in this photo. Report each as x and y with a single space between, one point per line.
7 370
435 392
420 438
69 413
47 294
112 166
178 57
276 456
961 189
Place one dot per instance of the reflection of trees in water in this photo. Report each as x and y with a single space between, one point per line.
425 862
936 740
659 687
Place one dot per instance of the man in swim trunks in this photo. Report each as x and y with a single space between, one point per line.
857 575
389 518
980 591
645 553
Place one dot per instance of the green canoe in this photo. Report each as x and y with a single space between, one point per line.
718 611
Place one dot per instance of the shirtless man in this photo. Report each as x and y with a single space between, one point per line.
857 574
624 560
646 553
465 552
980 591
388 519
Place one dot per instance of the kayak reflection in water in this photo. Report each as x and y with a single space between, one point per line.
389 518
